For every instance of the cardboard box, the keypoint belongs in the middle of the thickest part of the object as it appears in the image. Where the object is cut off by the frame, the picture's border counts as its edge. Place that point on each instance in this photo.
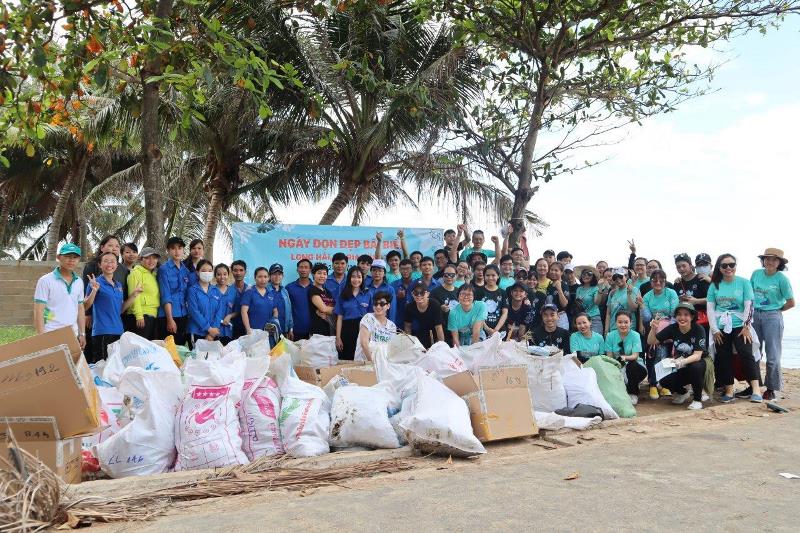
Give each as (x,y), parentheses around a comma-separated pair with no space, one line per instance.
(39,436)
(355,372)
(499,401)
(47,375)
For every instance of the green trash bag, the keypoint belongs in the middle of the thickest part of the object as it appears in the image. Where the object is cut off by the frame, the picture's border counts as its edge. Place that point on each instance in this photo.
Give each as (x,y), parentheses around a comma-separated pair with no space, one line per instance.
(612,384)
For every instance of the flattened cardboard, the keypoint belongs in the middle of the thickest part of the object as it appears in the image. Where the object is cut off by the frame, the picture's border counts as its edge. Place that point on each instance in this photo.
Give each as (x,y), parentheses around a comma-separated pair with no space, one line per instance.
(366,376)
(351,369)
(39,437)
(462,383)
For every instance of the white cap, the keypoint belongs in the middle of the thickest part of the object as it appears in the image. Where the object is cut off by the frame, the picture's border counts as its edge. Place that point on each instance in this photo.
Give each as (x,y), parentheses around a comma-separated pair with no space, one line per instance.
(378,263)
(569,267)
(622,271)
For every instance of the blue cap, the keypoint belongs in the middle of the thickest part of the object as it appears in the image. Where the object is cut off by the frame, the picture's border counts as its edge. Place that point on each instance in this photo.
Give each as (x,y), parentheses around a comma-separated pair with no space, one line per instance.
(69,248)
(275,268)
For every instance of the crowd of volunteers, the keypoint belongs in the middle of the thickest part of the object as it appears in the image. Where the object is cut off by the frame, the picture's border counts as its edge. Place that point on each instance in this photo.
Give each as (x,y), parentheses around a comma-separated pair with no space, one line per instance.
(460,295)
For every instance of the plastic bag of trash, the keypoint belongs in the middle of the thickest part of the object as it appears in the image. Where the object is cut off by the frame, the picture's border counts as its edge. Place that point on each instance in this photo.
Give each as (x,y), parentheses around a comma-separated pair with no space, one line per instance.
(612,384)
(318,352)
(147,444)
(207,431)
(483,353)
(545,381)
(360,417)
(259,411)
(305,418)
(256,344)
(553,421)
(290,348)
(404,348)
(581,387)
(133,350)
(438,421)
(442,360)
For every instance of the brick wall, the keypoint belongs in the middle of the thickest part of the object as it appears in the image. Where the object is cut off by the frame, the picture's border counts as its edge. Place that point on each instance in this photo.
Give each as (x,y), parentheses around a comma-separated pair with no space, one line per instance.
(17,284)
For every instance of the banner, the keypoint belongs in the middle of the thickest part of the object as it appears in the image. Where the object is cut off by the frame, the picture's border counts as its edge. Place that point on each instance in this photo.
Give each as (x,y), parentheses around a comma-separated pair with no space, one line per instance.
(265,244)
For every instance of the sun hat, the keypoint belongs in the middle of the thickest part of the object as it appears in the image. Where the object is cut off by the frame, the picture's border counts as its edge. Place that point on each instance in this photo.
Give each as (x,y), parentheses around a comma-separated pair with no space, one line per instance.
(774,252)
(69,249)
(579,270)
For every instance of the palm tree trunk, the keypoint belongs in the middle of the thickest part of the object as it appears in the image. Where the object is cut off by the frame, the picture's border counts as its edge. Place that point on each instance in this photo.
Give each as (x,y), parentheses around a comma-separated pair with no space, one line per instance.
(80,218)
(216,202)
(339,203)
(5,211)
(76,174)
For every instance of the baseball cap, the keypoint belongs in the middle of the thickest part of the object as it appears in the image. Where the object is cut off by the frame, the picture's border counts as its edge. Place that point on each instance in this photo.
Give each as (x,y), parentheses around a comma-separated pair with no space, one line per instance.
(703,258)
(276,267)
(147,251)
(569,267)
(418,283)
(69,248)
(517,286)
(173,241)
(549,307)
(683,257)
(378,263)
(620,271)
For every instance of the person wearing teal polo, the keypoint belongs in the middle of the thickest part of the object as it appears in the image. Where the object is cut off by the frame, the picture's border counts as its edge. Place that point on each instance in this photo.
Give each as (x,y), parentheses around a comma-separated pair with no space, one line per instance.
(58,299)
(625,344)
(586,342)
(772,297)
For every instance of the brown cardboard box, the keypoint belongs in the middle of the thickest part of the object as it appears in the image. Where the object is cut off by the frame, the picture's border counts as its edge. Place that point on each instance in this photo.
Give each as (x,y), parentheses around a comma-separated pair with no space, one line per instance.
(355,372)
(39,436)
(47,375)
(499,402)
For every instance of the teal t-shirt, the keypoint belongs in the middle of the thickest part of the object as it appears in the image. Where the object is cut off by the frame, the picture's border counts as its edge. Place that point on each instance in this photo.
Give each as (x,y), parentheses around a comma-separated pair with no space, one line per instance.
(416,274)
(637,283)
(632,343)
(594,345)
(663,304)
(467,251)
(618,301)
(770,292)
(462,321)
(505,282)
(730,296)
(586,296)
(457,283)
(391,277)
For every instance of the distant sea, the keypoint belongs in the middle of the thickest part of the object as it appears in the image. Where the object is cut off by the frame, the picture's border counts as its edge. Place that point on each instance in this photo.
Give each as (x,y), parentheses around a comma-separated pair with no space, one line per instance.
(791,352)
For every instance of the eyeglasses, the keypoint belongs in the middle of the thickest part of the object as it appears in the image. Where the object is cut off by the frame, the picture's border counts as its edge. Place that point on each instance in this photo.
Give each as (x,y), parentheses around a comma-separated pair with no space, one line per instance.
(728,265)
(380,304)
(658,280)
(448,275)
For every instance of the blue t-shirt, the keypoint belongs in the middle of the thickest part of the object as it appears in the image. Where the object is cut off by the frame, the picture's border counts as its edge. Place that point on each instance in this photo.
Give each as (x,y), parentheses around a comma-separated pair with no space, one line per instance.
(226,305)
(259,307)
(300,310)
(770,292)
(730,296)
(663,304)
(333,286)
(355,307)
(594,345)
(107,308)
(203,310)
(399,312)
(280,304)
(173,288)
(462,321)
(632,343)
(586,295)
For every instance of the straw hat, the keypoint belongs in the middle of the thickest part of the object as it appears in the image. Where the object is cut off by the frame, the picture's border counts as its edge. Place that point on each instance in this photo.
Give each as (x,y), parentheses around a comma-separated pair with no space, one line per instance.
(579,271)
(774,252)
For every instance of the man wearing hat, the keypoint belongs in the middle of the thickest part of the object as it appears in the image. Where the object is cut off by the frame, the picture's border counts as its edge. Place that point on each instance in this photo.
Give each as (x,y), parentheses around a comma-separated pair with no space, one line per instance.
(548,333)
(377,283)
(173,287)
(282,300)
(773,295)
(58,299)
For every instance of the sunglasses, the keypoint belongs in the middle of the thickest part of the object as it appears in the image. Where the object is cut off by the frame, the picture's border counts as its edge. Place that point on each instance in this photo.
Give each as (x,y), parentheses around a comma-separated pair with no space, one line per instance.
(448,275)
(418,294)
(728,265)
(381,304)
(682,257)
(586,274)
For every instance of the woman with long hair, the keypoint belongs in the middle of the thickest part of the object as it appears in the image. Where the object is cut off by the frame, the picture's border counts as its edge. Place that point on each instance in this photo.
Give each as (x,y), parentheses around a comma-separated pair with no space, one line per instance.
(590,297)
(351,306)
(196,253)
(108,244)
(625,344)
(730,301)
(495,300)
(375,327)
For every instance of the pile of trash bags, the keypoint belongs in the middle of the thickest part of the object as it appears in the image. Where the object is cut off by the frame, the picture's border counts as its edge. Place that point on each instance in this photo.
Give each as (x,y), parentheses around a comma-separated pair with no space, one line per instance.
(218,406)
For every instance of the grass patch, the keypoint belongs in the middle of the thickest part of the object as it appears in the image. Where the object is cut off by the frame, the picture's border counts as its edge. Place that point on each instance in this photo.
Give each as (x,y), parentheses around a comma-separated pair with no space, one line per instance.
(15,333)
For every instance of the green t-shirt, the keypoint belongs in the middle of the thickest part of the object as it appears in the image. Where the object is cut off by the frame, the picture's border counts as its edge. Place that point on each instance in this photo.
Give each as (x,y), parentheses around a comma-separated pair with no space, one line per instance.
(586,296)
(465,253)
(664,304)
(618,301)
(506,282)
(462,321)
(594,345)
(770,292)
(416,274)
(730,296)
(632,343)
(637,283)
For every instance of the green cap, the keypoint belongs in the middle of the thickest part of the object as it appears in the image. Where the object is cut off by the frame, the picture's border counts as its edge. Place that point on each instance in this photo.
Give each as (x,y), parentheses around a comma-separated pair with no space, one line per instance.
(686,305)
(69,248)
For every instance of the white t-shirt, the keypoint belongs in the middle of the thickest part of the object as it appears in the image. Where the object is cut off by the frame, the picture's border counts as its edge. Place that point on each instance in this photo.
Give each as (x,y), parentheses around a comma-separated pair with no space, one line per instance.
(377,333)
(60,299)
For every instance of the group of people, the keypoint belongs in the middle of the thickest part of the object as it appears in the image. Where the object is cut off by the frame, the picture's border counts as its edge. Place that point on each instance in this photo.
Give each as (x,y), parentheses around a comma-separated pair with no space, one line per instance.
(461,294)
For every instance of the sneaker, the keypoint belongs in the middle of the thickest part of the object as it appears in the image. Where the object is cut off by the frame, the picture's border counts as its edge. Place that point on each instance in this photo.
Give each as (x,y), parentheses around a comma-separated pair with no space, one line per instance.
(756,398)
(726,399)
(665,391)
(705,397)
(634,398)
(653,393)
(695,405)
(744,393)
(769,395)
(679,399)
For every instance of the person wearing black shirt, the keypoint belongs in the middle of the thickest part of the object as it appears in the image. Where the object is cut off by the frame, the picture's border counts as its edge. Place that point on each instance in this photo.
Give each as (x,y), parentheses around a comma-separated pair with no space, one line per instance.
(548,333)
(692,288)
(445,295)
(519,313)
(688,347)
(440,261)
(423,317)
(495,299)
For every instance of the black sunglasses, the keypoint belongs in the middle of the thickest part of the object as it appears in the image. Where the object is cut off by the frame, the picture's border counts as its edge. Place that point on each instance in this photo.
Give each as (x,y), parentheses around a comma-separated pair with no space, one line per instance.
(727,265)
(448,275)
(381,304)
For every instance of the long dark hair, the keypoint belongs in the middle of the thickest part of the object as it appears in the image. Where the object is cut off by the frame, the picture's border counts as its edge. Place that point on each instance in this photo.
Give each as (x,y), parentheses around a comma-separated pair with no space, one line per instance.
(347,290)
(716,275)
(103,242)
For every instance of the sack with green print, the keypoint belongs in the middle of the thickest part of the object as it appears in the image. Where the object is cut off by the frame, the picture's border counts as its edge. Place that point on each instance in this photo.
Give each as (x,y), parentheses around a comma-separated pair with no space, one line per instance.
(304,419)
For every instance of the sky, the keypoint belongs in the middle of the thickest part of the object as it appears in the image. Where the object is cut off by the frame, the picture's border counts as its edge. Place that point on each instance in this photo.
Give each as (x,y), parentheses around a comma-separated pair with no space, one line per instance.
(719,175)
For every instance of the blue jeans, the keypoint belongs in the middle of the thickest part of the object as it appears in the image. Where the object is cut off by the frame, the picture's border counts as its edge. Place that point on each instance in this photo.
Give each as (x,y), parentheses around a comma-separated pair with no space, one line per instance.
(769,328)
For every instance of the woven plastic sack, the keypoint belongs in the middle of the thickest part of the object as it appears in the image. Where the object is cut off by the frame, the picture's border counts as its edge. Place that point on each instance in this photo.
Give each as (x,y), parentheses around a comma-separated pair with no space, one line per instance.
(611,384)
(259,411)
(131,350)
(360,417)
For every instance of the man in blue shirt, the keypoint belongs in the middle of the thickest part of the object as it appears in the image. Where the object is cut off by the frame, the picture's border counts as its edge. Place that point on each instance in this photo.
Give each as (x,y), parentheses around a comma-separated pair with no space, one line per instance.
(238,271)
(173,285)
(378,284)
(402,289)
(282,300)
(298,295)
(335,282)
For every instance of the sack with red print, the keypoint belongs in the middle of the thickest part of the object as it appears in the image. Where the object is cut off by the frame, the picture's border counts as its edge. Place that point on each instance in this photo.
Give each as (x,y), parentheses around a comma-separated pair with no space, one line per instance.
(259,411)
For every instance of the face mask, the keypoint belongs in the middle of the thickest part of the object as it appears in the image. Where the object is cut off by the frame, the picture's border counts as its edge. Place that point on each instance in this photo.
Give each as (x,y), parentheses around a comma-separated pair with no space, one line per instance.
(205,277)
(703,270)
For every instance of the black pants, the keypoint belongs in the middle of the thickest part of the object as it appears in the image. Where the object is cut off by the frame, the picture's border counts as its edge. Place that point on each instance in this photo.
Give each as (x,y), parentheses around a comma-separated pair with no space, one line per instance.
(149,329)
(693,374)
(224,340)
(179,336)
(636,373)
(88,350)
(350,329)
(100,347)
(724,358)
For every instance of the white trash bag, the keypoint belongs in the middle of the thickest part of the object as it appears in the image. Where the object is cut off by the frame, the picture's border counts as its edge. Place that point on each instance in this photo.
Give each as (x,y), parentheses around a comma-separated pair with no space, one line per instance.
(207,431)
(581,386)
(318,352)
(304,419)
(256,344)
(442,360)
(131,350)
(545,381)
(360,417)
(438,421)
(553,421)
(404,348)
(147,444)
(483,353)
(259,411)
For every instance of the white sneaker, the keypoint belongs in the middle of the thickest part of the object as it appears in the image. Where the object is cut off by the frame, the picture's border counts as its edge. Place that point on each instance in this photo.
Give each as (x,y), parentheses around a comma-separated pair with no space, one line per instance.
(634,398)
(695,405)
(679,399)
(705,397)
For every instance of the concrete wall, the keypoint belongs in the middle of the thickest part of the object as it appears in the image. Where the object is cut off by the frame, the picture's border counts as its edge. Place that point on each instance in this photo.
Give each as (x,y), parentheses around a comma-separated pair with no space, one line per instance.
(17,284)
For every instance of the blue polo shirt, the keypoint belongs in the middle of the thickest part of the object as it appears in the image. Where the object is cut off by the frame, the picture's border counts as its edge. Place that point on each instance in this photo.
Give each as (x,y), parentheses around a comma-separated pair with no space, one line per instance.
(107,308)
(203,310)
(333,286)
(173,287)
(259,308)
(356,307)
(298,295)
(227,302)
(280,303)
(400,311)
